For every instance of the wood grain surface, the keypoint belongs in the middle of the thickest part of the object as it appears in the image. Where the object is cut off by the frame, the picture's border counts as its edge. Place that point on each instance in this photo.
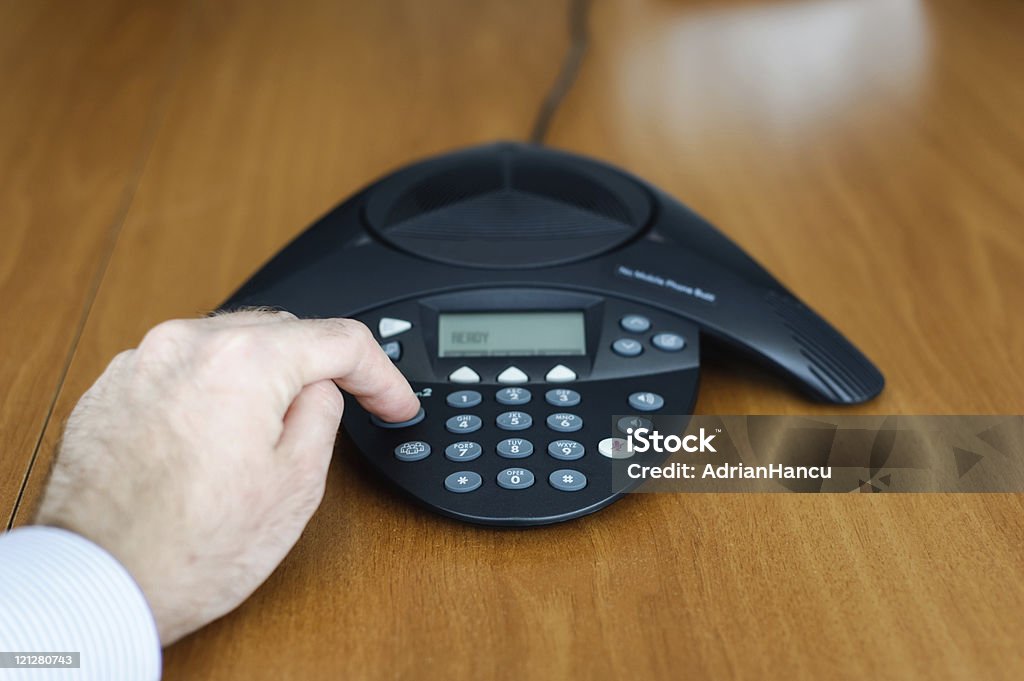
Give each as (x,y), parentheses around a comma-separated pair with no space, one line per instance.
(870,154)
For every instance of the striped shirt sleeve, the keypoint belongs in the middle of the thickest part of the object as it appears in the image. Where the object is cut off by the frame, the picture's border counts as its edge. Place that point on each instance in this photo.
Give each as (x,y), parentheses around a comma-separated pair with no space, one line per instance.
(60,592)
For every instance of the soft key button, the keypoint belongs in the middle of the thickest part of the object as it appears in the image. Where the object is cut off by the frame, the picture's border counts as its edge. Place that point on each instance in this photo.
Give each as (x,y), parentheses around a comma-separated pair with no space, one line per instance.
(389,326)
(512,375)
(464,375)
(560,374)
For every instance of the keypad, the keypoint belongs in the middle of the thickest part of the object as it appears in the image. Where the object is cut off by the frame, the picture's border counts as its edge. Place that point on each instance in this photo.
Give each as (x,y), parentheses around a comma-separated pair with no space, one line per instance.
(514,420)
(566,450)
(463,451)
(463,399)
(515,448)
(567,480)
(565,423)
(463,481)
(515,478)
(562,397)
(463,423)
(527,421)
(513,396)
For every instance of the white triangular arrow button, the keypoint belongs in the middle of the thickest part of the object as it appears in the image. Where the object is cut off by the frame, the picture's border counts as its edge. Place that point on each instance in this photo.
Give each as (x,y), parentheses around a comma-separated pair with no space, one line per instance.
(389,327)
(560,374)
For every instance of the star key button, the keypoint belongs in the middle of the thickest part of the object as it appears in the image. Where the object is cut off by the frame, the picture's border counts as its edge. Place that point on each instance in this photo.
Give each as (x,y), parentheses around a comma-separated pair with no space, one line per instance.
(461,482)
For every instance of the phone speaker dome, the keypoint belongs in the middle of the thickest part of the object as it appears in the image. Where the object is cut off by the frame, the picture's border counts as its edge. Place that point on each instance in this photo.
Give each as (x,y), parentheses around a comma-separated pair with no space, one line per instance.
(508,206)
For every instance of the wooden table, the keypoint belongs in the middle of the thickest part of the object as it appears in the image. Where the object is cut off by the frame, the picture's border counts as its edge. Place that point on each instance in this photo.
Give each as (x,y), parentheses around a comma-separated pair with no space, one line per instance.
(152,155)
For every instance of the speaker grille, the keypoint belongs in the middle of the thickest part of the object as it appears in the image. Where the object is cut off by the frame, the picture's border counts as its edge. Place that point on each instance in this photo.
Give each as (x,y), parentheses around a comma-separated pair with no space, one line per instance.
(507,207)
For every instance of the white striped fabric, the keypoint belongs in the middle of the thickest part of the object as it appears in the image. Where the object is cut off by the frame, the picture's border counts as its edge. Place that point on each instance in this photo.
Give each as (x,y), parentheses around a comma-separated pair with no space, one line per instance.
(60,592)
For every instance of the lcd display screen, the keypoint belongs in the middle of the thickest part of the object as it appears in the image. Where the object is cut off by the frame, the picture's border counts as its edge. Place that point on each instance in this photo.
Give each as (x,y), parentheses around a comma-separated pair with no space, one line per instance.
(509,334)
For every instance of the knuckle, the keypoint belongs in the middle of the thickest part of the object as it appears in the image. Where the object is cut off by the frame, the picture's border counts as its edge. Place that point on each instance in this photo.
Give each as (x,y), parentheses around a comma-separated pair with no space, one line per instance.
(356,331)
(167,337)
(232,347)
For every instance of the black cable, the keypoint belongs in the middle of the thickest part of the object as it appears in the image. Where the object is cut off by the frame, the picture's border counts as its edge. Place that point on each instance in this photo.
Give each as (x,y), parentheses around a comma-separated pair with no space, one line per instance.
(579,37)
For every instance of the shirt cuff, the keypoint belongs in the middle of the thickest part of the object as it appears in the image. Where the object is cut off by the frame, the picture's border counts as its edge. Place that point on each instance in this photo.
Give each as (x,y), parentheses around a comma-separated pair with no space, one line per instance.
(59,592)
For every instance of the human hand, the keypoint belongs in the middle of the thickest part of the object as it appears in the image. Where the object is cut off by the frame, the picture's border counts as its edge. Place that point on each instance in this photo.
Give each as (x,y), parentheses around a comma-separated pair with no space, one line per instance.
(198,458)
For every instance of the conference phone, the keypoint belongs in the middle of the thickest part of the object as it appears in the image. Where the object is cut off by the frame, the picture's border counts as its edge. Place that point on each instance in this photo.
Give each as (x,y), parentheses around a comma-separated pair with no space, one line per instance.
(529,296)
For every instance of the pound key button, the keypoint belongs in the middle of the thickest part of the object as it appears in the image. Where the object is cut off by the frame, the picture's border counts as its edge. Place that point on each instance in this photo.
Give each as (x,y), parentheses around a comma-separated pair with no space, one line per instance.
(400,424)
(463,423)
(412,451)
(567,480)
(463,481)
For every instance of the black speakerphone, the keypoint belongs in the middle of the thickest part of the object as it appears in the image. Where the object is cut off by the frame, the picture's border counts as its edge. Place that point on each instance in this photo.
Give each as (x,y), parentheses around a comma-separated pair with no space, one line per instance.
(529,295)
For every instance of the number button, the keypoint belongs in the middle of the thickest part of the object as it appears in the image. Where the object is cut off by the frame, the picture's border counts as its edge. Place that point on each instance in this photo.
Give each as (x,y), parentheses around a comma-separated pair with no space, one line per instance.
(463,399)
(463,481)
(463,451)
(412,451)
(513,396)
(567,480)
(515,478)
(514,420)
(463,423)
(515,448)
(562,397)
(565,423)
(627,347)
(565,450)
(646,401)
